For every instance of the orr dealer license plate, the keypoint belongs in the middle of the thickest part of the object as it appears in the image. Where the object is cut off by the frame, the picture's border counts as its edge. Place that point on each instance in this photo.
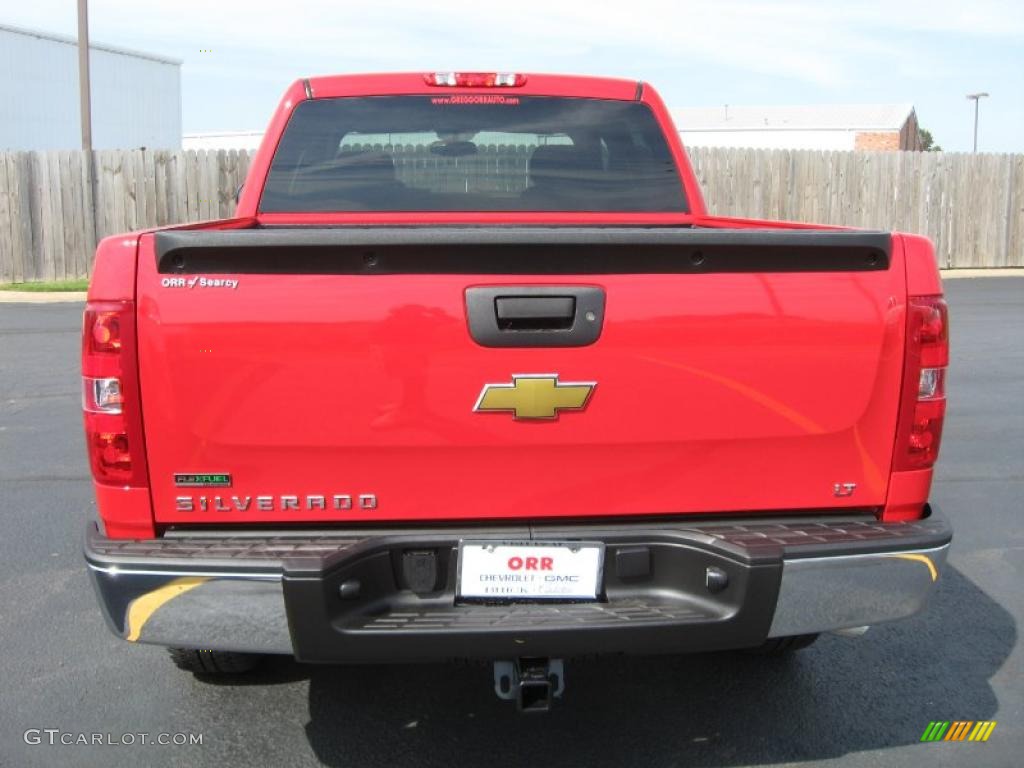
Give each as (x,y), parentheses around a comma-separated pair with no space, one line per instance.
(546,570)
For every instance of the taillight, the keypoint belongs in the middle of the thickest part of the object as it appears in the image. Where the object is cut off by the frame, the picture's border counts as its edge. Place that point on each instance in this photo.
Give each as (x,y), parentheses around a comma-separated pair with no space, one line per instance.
(104,331)
(110,395)
(923,407)
(475,79)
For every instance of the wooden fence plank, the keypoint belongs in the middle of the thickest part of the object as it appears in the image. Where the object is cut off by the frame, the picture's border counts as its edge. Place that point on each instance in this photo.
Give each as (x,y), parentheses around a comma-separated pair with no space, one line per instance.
(67,216)
(1013,246)
(59,264)
(176,187)
(161,164)
(39,201)
(210,186)
(148,185)
(131,170)
(89,209)
(192,194)
(8,213)
(22,235)
(74,241)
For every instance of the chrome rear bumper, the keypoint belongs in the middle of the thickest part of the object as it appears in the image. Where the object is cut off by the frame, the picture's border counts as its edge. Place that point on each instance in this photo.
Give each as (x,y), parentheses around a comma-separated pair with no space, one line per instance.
(819,594)
(213,611)
(281,594)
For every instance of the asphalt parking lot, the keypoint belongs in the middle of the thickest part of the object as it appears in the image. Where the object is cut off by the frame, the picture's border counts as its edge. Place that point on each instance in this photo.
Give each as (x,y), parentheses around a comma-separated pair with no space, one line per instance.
(862,702)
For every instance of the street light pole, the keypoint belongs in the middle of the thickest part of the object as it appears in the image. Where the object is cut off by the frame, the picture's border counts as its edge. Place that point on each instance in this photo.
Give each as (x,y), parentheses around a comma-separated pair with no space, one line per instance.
(976,97)
(84,98)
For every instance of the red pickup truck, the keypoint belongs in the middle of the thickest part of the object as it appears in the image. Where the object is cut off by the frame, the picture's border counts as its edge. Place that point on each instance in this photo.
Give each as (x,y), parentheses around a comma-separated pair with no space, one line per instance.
(472,373)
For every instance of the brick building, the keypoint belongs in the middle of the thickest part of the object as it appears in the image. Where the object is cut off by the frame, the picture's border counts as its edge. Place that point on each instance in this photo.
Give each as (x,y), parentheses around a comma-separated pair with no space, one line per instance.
(867,127)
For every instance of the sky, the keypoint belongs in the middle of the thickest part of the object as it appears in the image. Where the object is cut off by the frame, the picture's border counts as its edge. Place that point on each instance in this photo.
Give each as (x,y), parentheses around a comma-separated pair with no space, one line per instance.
(695,52)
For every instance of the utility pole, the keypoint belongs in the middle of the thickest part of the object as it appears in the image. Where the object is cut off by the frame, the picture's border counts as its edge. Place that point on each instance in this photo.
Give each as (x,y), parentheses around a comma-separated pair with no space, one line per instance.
(85,101)
(976,97)
(85,109)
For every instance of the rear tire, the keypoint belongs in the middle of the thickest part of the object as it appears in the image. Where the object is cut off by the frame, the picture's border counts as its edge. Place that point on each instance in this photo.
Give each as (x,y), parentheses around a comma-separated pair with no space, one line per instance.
(781,646)
(213,663)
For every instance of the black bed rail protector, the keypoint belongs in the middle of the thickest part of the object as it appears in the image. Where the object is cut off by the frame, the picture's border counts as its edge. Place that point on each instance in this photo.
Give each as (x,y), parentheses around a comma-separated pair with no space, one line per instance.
(517,250)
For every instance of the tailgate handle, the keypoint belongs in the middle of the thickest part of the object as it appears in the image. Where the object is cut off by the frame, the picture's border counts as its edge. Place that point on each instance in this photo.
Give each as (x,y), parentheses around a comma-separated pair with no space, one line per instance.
(535,315)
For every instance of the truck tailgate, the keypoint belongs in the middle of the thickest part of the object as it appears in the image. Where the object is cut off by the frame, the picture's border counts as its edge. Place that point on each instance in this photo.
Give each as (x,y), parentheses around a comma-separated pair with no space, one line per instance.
(331,375)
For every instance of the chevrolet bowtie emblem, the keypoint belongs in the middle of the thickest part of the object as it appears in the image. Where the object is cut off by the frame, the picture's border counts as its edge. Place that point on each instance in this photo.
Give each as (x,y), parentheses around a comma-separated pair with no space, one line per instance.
(535,396)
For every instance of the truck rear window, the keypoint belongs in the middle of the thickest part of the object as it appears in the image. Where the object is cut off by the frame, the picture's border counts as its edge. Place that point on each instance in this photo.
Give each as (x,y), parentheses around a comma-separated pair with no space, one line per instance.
(472,152)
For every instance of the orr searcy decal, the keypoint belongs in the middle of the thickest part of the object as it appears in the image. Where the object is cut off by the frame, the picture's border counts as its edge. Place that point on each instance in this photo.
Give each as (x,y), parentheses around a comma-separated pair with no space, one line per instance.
(199,282)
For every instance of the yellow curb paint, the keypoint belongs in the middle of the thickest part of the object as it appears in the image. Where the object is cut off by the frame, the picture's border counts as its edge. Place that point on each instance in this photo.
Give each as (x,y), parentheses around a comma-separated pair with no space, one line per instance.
(142,608)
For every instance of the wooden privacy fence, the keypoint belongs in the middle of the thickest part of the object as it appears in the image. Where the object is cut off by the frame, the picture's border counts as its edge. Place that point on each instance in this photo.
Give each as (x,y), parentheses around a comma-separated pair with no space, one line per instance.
(971,206)
(49,227)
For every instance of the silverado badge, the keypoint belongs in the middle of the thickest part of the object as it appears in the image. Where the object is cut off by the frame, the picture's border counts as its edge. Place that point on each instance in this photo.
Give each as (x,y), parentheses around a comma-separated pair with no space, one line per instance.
(535,396)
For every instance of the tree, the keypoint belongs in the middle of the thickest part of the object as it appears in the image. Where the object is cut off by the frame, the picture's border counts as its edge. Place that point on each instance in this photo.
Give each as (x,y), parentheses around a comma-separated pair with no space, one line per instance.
(927,142)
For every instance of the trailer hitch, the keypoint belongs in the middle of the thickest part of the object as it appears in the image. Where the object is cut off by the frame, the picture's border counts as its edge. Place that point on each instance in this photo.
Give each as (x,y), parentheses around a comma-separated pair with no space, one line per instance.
(532,683)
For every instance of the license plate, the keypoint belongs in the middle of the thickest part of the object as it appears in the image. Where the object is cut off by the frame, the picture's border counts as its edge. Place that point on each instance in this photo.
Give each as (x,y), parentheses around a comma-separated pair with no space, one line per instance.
(547,570)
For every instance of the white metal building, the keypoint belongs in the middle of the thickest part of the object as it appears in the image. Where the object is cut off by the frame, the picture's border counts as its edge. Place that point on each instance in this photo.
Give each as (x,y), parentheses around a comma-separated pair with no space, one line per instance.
(223,140)
(835,126)
(136,97)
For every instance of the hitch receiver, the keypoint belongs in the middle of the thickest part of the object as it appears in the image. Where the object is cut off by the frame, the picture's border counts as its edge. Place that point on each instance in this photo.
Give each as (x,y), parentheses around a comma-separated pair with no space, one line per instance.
(531,683)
